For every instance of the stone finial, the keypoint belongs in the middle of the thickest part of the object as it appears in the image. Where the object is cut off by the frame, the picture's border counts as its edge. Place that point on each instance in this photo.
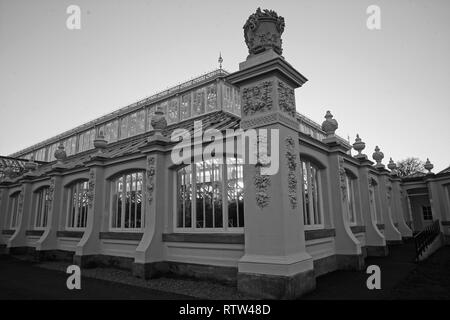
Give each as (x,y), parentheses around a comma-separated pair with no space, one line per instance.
(359,146)
(329,125)
(392,166)
(100,142)
(159,122)
(60,153)
(262,32)
(378,157)
(428,166)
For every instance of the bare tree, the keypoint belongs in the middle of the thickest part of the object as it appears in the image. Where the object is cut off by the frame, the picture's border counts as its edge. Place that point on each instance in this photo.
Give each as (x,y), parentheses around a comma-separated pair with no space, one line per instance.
(410,166)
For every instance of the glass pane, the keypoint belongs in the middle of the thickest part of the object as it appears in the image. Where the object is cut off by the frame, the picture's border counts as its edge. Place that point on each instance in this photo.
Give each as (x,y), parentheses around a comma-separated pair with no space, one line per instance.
(151,111)
(211,97)
(124,128)
(305,195)
(185,107)
(198,106)
(140,122)
(199,201)
(172,111)
(132,124)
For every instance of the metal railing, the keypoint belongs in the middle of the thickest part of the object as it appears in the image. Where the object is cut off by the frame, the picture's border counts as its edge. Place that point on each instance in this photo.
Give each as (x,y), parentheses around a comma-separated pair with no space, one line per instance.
(425,237)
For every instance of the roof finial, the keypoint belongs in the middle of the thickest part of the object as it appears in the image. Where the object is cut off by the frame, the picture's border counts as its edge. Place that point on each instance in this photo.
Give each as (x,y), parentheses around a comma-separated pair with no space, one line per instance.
(220,60)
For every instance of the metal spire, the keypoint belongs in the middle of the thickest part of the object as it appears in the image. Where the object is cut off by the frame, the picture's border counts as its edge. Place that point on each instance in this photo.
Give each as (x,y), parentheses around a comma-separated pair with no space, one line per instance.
(220,60)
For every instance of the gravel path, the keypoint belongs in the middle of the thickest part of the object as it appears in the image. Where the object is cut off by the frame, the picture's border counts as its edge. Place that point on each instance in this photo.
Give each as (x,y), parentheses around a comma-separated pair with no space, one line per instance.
(194,288)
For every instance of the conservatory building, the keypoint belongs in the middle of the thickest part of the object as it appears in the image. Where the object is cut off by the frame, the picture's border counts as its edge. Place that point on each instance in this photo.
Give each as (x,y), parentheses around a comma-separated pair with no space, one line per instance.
(108,193)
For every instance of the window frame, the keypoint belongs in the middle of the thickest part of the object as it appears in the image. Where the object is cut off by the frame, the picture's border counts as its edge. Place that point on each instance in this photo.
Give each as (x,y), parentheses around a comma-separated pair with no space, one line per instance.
(426,211)
(112,203)
(44,208)
(225,214)
(69,203)
(13,203)
(309,164)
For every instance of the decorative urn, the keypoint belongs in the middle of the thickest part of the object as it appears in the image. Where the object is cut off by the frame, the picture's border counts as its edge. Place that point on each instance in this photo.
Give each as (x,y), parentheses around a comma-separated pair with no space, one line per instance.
(60,153)
(262,32)
(359,146)
(330,125)
(392,166)
(100,142)
(428,166)
(378,156)
(159,121)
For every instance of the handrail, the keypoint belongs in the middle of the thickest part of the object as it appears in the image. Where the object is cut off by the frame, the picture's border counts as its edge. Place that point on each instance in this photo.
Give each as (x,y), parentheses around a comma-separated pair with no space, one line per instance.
(425,237)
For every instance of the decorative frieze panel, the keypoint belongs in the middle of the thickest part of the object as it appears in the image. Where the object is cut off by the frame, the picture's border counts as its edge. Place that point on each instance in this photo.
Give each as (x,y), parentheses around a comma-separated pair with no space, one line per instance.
(342,177)
(150,177)
(91,188)
(262,183)
(388,191)
(257,99)
(292,166)
(20,200)
(286,99)
(51,192)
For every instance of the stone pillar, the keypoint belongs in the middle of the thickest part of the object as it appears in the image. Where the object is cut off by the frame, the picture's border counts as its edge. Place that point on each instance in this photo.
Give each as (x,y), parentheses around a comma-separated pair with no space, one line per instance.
(49,238)
(275,264)
(149,255)
(397,208)
(375,241)
(348,249)
(17,242)
(3,214)
(391,233)
(433,194)
(89,245)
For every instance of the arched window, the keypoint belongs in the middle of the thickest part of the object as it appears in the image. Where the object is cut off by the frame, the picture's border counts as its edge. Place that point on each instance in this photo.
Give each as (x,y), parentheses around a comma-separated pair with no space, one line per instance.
(14,210)
(126,202)
(350,182)
(201,190)
(312,213)
(77,208)
(42,206)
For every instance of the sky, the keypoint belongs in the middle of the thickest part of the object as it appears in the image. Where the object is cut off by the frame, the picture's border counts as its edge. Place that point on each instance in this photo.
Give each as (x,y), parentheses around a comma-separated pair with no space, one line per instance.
(391,86)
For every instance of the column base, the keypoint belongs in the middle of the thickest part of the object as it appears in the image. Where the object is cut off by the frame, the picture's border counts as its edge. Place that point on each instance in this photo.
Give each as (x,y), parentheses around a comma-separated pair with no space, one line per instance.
(149,270)
(276,287)
(377,251)
(394,242)
(54,255)
(350,261)
(100,260)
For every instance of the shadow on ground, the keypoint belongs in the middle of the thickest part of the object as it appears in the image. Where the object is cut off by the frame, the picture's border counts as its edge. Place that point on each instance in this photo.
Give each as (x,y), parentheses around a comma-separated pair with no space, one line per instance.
(401,278)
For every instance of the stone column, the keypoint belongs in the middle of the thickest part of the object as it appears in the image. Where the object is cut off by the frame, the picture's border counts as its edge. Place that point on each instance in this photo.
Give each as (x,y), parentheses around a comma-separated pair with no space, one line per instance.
(3,214)
(275,263)
(49,238)
(375,241)
(89,245)
(397,209)
(348,248)
(149,255)
(391,233)
(17,243)
(433,194)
